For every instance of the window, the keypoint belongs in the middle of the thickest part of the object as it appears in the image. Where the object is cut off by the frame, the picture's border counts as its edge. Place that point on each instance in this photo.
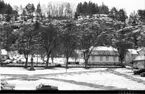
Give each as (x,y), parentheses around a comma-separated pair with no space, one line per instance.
(93,58)
(114,58)
(101,58)
(107,58)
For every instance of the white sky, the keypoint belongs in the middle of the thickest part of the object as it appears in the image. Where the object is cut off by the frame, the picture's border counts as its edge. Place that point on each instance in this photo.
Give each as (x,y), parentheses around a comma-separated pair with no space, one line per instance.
(128,5)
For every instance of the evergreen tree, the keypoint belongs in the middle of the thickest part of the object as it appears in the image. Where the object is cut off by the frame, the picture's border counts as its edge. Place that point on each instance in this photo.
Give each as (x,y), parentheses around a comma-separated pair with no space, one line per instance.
(122,15)
(85,8)
(141,13)
(91,8)
(133,19)
(97,8)
(39,11)
(30,8)
(104,9)
(113,13)
(5,8)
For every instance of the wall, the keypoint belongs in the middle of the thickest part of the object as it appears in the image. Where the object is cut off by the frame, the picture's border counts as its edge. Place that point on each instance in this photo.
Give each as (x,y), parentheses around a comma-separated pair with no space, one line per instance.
(142,52)
(97,60)
(129,58)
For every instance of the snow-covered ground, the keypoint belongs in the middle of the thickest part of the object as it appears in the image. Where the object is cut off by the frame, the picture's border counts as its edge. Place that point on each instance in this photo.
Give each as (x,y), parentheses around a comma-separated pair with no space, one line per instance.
(74,78)
(129,72)
(41,71)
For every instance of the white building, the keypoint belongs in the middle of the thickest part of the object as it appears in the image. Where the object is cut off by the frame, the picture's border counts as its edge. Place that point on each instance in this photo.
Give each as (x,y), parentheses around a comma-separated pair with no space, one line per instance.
(4,54)
(141,51)
(139,62)
(104,55)
(130,56)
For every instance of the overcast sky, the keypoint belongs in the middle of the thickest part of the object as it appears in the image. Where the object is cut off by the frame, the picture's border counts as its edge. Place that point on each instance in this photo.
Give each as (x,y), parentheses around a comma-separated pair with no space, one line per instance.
(128,5)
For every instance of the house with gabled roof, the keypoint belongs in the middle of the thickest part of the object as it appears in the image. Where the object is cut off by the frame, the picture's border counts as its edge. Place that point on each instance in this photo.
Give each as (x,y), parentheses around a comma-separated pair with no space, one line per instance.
(130,56)
(135,58)
(104,55)
(139,61)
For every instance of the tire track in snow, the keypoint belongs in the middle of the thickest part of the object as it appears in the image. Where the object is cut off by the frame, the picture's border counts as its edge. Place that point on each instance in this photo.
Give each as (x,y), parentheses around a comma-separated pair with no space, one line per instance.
(126,76)
(87,84)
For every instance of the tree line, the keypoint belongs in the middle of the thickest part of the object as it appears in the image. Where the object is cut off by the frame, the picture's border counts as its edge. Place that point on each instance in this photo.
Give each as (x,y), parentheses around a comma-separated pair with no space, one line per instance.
(6,10)
(89,8)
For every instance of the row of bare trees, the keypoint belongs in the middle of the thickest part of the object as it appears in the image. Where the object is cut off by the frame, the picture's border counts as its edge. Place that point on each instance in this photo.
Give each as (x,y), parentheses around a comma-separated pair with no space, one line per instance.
(63,37)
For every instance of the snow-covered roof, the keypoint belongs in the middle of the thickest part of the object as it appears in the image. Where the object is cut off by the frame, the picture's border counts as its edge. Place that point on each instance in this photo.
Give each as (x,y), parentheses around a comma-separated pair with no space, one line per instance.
(3,52)
(104,48)
(132,51)
(138,58)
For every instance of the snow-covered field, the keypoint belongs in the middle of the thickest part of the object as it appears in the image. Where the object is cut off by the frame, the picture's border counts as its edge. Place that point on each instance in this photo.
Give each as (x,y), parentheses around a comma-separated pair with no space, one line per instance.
(74,78)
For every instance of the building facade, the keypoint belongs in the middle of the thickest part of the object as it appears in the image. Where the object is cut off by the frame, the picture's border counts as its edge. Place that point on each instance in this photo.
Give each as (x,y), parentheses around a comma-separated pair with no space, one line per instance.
(130,56)
(141,51)
(104,55)
(139,62)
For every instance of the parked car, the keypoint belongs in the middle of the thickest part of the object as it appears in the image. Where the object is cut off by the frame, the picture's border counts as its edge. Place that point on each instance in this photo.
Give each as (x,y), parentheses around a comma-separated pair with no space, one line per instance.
(6,86)
(58,65)
(15,61)
(46,87)
(139,71)
(73,63)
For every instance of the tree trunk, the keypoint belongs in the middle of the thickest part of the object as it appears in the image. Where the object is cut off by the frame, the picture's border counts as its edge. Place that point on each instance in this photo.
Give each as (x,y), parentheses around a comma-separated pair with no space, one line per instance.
(121,62)
(26,63)
(32,67)
(75,59)
(86,62)
(48,55)
(52,59)
(37,59)
(86,57)
(32,17)
(67,62)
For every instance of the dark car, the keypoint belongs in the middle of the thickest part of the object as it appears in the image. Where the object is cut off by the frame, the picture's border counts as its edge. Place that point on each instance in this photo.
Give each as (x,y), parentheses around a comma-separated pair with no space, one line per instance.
(142,74)
(46,87)
(139,71)
(73,63)
(58,65)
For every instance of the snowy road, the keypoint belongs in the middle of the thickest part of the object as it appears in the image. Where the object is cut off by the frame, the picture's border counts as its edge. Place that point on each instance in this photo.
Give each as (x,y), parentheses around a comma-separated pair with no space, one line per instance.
(74,78)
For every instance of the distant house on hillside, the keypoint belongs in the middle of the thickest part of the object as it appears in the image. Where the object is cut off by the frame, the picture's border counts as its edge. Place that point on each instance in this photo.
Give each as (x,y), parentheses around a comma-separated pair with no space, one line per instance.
(104,55)
(4,54)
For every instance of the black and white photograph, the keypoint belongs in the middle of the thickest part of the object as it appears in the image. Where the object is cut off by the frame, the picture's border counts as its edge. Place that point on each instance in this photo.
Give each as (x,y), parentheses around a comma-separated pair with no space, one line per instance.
(72,45)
